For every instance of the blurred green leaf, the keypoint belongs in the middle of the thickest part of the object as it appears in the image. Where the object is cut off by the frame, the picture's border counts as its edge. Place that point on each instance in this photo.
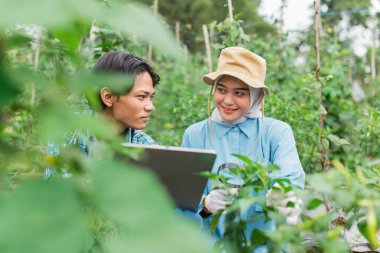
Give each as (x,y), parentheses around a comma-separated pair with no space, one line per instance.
(340,167)
(44,217)
(68,20)
(133,197)
(336,140)
(8,87)
(258,237)
(72,35)
(118,191)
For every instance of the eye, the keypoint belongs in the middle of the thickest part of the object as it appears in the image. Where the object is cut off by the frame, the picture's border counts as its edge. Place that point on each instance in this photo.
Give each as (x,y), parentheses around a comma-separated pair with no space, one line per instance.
(141,97)
(240,93)
(221,90)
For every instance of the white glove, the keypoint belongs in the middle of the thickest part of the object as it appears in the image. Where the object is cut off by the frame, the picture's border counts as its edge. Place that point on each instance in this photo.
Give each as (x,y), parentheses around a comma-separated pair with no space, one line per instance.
(279,199)
(219,199)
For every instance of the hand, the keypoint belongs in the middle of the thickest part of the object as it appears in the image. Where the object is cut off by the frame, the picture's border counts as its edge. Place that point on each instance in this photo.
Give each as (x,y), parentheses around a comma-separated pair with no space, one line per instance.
(280,200)
(219,199)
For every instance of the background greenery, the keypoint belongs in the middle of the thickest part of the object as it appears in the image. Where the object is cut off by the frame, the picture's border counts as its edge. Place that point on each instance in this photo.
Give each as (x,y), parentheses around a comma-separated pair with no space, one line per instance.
(46,51)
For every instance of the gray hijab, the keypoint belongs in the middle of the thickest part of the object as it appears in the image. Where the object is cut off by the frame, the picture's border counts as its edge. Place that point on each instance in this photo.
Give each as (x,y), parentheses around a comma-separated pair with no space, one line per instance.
(256,95)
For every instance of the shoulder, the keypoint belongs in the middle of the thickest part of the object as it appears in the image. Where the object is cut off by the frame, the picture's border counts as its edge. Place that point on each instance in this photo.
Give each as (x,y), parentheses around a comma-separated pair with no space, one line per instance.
(277,130)
(276,125)
(197,128)
(139,137)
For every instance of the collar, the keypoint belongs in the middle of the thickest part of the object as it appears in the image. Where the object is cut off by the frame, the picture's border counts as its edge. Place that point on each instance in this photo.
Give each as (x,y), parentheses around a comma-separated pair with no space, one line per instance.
(247,127)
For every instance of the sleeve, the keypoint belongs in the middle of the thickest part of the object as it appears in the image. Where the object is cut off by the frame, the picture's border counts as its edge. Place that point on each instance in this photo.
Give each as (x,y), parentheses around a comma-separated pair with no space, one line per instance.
(186,140)
(284,154)
(51,158)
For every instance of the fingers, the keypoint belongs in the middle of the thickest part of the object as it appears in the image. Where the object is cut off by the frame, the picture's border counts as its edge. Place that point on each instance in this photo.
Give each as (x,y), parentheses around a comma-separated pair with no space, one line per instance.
(287,204)
(219,199)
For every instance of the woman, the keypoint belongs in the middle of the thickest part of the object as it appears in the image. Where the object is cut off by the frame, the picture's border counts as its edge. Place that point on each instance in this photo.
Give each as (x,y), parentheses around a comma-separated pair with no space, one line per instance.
(238,126)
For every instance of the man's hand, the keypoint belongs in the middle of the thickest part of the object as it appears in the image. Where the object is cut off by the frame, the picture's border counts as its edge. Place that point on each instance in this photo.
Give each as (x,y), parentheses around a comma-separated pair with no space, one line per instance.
(279,199)
(218,199)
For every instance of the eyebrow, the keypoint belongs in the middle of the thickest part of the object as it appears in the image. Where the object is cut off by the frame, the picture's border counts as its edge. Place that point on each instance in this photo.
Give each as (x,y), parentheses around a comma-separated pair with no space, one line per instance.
(220,84)
(146,92)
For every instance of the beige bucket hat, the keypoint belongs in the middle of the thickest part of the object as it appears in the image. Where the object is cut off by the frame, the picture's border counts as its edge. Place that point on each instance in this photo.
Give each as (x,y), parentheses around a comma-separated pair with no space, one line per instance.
(242,64)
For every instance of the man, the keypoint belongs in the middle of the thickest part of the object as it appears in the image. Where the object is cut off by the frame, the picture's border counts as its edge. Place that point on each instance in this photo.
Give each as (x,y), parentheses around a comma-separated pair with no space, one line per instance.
(130,110)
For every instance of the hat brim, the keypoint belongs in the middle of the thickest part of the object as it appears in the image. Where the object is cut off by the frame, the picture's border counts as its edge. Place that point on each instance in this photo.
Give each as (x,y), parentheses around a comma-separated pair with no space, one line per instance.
(211,77)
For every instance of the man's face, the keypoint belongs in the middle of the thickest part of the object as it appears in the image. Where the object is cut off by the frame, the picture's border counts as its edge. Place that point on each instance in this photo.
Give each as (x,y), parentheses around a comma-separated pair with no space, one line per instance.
(133,109)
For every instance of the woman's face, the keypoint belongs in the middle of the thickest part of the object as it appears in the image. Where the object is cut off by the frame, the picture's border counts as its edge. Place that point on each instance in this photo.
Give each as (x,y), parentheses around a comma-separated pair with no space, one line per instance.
(231,98)
(133,110)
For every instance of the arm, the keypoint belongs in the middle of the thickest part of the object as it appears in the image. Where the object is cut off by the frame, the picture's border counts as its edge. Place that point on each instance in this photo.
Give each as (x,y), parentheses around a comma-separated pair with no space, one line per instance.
(284,154)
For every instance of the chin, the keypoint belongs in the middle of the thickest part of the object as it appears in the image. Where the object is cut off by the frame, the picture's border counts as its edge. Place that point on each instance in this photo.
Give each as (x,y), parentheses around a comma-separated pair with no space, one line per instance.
(139,127)
(229,117)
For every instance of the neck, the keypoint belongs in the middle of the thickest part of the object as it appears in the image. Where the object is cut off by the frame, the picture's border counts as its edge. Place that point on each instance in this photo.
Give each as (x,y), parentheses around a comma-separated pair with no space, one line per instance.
(121,128)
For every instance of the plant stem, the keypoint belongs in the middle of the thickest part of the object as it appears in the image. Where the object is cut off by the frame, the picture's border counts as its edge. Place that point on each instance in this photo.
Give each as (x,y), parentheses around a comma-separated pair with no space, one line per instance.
(317,75)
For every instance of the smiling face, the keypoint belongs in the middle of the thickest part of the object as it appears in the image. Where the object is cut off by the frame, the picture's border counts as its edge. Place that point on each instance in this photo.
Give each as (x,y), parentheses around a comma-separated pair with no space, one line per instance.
(133,109)
(231,98)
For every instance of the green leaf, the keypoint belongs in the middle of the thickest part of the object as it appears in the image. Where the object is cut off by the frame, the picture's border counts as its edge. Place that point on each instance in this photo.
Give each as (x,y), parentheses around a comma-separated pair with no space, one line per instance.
(8,88)
(234,34)
(258,237)
(72,35)
(140,21)
(42,216)
(64,16)
(322,110)
(215,220)
(314,203)
(18,39)
(208,175)
(338,141)
(244,159)
(372,228)
(340,167)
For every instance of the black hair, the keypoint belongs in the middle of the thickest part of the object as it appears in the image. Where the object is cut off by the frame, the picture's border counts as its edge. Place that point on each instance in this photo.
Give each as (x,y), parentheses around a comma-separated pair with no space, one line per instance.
(125,63)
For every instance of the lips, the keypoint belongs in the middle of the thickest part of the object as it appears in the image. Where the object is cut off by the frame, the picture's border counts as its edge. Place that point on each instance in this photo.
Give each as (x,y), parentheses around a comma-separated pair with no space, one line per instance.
(228,110)
(145,117)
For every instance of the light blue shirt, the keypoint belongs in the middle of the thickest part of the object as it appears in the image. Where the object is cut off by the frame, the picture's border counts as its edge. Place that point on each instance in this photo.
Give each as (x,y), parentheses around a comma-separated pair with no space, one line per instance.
(275,145)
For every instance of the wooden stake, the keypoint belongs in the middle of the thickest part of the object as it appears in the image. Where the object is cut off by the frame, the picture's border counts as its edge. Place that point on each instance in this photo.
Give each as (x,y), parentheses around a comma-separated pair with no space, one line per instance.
(208,50)
(373,54)
(186,53)
(150,48)
(212,34)
(322,115)
(230,10)
(282,15)
(35,67)
(177,30)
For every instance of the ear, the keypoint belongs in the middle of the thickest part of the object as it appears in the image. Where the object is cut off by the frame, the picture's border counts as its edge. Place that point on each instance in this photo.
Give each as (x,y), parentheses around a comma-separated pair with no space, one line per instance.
(106,96)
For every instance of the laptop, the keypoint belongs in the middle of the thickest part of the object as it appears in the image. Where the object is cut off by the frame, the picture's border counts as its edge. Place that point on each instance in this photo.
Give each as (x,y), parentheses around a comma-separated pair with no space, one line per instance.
(177,168)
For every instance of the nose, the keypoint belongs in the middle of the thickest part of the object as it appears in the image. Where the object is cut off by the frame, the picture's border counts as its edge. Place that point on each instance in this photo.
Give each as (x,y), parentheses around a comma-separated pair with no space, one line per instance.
(149,106)
(228,99)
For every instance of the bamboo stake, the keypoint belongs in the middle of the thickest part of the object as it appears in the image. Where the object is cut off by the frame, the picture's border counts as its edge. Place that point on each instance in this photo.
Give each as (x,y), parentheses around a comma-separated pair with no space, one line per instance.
(150,48)
(186,53)
(230,10)
(317,75)
(208,50)
(373,54)
(177,31)
(35,68)
(282,15)
(212,34)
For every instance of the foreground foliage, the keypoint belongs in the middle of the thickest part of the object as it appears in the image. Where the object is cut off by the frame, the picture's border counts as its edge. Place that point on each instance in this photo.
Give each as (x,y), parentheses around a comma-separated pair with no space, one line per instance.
(109,207)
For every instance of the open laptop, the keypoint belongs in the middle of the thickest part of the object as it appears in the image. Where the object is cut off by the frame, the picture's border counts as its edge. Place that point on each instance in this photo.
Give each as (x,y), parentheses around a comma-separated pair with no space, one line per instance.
(177,170)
